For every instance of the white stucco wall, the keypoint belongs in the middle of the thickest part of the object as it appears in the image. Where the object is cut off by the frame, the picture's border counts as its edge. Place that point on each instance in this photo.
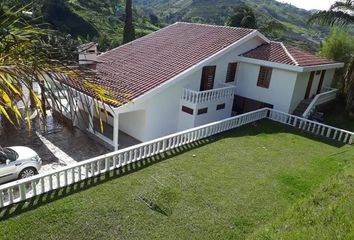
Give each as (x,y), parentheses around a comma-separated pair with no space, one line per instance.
(133,123)
(187,120)
(300,90)
(280,90)
(329,78)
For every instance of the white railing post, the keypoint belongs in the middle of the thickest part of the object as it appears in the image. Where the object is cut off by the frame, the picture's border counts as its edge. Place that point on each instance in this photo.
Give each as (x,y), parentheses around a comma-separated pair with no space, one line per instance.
(208,95)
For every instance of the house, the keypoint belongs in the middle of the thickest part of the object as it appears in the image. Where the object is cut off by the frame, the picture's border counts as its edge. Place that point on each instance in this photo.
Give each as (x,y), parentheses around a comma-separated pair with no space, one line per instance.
(186,75)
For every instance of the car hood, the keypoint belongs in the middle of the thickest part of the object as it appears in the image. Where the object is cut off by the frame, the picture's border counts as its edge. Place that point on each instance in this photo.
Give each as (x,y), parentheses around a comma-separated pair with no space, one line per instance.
(24,153)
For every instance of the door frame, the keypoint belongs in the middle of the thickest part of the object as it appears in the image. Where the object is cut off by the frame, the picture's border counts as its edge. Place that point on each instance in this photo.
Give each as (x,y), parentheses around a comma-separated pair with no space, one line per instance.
(309,85)
(205,80)
(320,84)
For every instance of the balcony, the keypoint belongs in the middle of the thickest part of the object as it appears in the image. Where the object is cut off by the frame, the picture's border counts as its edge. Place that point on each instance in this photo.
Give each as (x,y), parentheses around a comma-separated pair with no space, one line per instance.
(197,97)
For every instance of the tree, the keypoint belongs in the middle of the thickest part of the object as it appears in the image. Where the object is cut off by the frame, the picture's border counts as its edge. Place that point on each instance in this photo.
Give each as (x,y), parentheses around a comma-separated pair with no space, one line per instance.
(243,17)
(129,32)
(29,54)
(154,19)
(341,13)
(339,46)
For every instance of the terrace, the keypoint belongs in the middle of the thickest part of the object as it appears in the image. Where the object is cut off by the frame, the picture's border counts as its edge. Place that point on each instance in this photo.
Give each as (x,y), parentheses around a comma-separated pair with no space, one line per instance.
(190,192)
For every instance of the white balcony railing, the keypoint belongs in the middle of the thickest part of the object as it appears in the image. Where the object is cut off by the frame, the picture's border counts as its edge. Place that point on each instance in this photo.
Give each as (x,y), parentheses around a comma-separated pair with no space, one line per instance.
(209,95)
(326,95)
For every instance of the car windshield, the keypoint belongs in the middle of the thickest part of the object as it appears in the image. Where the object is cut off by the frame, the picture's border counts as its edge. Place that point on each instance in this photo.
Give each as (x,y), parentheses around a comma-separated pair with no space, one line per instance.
(11,154)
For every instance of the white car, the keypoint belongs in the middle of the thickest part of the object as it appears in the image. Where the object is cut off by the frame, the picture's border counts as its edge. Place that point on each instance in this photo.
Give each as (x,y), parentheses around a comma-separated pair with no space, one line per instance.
(17,163)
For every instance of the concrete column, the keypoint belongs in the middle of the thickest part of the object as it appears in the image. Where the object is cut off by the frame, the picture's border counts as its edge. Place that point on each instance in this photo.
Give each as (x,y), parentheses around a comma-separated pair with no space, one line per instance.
(116,131)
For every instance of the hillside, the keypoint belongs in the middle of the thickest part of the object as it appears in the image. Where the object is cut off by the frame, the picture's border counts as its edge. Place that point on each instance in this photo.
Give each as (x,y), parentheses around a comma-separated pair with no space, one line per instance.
(89,20)
(102,15)
(298,33)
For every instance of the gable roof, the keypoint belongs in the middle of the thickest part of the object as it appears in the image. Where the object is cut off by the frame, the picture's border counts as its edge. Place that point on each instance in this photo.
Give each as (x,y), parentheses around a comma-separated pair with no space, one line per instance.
(279,53)
(142,65)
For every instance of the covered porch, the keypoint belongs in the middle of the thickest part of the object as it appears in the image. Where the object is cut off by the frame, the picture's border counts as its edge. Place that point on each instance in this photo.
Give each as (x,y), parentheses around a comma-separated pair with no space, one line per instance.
(81,110)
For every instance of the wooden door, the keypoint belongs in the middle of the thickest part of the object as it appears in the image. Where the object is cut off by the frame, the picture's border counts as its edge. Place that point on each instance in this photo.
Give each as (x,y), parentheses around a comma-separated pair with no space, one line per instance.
(208,76)
(321,82)
(309,85)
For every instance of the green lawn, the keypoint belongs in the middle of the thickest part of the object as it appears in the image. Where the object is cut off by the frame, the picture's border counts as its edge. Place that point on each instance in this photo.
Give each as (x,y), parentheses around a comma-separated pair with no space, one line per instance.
(246,183)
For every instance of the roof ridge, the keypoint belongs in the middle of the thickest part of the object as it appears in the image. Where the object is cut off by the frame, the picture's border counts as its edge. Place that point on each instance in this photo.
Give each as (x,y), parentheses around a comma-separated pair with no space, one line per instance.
(215,26)
(288,53)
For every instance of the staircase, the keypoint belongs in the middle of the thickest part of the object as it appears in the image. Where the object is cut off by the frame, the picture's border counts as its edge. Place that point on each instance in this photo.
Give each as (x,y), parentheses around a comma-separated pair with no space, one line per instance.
(301,108)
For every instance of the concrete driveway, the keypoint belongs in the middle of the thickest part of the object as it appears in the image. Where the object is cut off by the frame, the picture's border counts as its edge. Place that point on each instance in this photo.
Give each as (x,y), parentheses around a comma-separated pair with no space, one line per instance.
(58,146)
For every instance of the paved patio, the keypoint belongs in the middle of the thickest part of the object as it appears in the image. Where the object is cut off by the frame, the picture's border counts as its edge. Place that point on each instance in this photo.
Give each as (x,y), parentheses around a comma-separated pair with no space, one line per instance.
(60,144)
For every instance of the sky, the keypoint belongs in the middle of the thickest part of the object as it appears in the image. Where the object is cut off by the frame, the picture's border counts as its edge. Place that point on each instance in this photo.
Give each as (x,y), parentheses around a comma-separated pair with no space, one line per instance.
(310,4)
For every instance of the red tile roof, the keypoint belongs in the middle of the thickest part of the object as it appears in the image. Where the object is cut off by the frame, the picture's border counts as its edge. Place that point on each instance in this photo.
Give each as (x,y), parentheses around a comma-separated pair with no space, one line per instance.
(140,66)
(279,53)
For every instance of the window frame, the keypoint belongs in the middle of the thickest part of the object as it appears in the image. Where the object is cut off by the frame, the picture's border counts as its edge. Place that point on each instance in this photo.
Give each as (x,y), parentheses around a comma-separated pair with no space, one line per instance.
(202,111)
(187,110)
(264,76)
(231,72)
(220,106)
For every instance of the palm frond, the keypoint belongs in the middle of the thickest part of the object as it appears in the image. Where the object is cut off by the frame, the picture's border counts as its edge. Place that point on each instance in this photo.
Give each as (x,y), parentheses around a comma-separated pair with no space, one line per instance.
(332,18)
(347,5)
(28,55)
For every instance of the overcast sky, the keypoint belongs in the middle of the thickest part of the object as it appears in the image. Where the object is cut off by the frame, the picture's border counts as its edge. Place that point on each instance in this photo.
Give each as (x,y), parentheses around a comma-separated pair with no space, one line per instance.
(310,4)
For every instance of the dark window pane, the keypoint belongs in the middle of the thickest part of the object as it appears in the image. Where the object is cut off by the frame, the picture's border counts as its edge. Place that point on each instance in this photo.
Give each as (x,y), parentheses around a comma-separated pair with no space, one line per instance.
(202,111)
(220,106)
(187,110)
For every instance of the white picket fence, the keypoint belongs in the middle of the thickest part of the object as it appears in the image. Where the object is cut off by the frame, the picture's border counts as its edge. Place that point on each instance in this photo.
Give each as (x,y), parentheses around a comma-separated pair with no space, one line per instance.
(313,127)
(24,189)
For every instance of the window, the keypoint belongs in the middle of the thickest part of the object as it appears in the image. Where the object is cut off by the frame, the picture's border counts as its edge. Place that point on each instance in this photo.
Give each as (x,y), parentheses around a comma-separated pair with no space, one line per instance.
(202,111)
(220,106)
(265,74)
(187,110)
(231,72)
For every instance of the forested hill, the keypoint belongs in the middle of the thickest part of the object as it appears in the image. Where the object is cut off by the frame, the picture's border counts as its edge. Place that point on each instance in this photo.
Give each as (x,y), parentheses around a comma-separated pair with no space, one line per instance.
(91,20)
(107,17)
(297,32)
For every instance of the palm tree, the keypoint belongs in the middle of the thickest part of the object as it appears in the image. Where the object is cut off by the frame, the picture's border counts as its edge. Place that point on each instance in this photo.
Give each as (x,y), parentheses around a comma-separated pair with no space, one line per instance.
(340,13)
(28,55)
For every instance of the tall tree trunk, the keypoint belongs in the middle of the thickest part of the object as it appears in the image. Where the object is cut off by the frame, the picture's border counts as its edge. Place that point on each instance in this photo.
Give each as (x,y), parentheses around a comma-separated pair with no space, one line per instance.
(349,82)
(129,32)
(43,98)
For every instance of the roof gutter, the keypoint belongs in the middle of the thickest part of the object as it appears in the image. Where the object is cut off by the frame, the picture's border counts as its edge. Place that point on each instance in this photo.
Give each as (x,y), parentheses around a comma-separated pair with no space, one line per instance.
(322,67)
(288,66)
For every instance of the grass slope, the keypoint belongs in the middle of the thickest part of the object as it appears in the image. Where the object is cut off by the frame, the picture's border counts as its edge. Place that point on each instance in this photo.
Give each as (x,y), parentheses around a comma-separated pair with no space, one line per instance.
(227,187)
